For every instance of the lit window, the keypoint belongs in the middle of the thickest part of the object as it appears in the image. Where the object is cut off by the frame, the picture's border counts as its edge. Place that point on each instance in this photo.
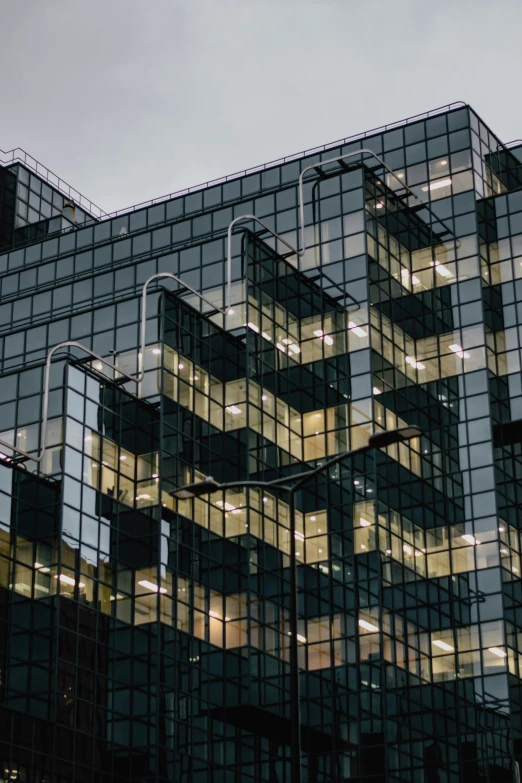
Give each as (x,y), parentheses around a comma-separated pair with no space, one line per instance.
(440,183)
(356,329)
(443,645)
(459,351)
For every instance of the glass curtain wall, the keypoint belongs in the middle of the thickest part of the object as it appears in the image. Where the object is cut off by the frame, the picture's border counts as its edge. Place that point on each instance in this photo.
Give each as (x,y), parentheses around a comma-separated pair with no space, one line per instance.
(147,638)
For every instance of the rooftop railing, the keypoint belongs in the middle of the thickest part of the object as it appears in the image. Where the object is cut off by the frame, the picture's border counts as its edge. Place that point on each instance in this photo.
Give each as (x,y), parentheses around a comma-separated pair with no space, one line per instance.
(290,158)
(19,155)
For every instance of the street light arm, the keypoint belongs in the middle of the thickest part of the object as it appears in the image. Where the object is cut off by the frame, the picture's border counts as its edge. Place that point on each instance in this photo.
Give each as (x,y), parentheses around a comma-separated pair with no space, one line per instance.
(281,483)
(277,483)
(212,488)
(378,440)
(209,486)
(303,477)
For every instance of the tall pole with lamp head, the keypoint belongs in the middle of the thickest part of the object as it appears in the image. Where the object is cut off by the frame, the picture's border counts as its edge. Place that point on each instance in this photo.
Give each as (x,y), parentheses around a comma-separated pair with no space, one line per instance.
(209,485)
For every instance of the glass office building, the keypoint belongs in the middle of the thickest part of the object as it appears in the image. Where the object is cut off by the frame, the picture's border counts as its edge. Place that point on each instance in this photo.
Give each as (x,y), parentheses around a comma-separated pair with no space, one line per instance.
(146,638)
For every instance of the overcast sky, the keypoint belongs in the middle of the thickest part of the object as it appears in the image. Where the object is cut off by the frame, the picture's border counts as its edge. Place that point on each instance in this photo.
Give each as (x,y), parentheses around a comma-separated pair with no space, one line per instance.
(131,99)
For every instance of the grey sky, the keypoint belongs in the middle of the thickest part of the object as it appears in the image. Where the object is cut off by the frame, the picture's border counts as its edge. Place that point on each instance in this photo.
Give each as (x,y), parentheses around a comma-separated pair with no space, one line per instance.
(131,99)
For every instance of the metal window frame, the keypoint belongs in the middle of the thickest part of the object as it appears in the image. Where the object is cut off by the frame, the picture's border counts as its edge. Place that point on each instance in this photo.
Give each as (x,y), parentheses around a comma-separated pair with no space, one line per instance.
(314,166)
(47,383)
(138,378)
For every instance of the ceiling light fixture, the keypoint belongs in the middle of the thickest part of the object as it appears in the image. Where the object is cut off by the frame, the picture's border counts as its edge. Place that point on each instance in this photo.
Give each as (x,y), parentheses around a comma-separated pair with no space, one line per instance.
(405,274)
(437,185)
(299,637)
(228,506)
(368,626)
(68,580)
(152,587)
(443,645)
(212,613)
(461,353)
(414,363)
(440,268)
(356,329)
(322,336)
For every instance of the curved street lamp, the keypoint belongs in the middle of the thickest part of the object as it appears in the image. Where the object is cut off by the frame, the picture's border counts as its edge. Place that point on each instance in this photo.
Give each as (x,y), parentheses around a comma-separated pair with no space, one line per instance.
(209,485)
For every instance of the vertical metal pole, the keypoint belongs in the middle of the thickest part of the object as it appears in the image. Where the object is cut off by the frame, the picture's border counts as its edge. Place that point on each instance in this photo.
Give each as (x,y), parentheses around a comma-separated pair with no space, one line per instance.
(295,704)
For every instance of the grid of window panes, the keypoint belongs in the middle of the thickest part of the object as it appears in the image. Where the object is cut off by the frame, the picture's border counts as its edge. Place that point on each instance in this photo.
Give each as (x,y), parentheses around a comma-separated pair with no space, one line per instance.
(148,637)
(7,206)
(36,200)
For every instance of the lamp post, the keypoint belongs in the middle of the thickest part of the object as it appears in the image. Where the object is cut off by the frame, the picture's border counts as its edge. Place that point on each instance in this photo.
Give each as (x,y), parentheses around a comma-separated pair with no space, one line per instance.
(209,485)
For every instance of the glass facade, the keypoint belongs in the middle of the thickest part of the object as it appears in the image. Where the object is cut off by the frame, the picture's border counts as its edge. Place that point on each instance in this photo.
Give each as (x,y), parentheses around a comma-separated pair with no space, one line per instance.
(145,638)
